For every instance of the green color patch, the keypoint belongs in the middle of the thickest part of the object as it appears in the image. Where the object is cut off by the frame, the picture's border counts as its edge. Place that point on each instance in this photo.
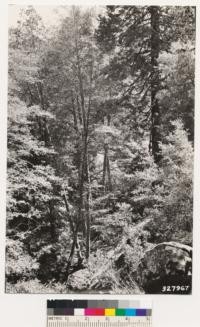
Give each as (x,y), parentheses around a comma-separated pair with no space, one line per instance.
(120,312)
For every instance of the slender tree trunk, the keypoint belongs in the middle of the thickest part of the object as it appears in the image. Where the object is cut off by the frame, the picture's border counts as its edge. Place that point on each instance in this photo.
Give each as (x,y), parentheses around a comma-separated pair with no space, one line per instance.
(105,166)
(79,111)
(89,195)
(68,213)
(69,262)
(73,229)
(46,133)
(44,129)
(74,112)
(52,222)
(109,174)
(107,184)
(155,85)
(106,163)
(81,189)
(84,200)
(87,207)
(81,216)
(31,98)
(40,95)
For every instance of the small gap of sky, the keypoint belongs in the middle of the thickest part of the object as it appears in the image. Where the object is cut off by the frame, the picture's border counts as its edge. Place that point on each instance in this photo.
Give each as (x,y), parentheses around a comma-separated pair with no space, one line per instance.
(50,14)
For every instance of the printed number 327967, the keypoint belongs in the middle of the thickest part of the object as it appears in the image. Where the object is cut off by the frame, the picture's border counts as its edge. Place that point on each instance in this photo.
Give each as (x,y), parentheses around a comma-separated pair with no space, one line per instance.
(175,288)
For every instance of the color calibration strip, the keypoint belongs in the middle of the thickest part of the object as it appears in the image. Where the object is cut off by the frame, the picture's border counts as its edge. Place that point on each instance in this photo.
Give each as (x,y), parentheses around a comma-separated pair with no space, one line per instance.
(98,308)
(96,313)
(108,312)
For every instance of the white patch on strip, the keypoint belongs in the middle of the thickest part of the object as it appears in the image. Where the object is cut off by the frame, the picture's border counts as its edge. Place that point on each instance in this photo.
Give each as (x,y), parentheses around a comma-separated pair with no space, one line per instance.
(79,312)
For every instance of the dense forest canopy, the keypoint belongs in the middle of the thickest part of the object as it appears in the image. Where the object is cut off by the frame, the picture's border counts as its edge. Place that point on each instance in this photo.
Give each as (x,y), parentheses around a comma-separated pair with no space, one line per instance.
(100,145)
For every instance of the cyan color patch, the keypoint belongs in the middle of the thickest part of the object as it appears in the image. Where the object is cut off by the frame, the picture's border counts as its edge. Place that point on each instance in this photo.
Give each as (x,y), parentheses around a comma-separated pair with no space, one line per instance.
(130,312)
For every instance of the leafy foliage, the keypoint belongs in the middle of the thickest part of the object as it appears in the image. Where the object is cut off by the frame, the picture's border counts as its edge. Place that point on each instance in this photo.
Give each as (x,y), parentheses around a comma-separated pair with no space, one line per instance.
(175,189)
(86,195)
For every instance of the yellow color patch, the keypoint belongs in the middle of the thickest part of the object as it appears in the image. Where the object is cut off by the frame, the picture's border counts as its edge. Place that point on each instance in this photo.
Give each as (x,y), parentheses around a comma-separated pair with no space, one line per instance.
(109,312)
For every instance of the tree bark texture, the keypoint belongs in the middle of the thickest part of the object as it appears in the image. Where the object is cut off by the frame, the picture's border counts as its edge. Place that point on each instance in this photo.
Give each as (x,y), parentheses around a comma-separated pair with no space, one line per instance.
(155,136)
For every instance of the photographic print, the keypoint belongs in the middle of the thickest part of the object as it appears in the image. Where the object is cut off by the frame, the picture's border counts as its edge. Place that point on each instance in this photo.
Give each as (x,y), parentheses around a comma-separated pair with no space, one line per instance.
(100,149)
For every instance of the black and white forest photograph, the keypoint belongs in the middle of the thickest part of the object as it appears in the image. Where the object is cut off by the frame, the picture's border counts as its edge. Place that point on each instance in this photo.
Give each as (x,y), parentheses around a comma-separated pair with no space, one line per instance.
(100,138)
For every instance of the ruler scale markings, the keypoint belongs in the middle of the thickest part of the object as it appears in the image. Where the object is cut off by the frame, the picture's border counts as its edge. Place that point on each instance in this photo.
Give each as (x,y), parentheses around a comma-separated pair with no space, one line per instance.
(104,323)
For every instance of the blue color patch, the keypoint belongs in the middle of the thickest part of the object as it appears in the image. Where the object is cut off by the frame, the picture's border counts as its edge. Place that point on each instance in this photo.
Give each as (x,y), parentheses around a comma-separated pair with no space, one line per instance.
(141,312)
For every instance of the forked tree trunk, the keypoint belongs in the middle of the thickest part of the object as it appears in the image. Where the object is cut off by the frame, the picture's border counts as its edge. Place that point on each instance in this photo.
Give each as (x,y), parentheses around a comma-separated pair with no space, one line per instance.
(83,115)
(69,262)
(73,228)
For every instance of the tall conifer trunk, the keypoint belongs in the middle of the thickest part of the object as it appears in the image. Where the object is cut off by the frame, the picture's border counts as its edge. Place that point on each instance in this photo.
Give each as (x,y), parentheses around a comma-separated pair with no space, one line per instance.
(155,84)
(106,164)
